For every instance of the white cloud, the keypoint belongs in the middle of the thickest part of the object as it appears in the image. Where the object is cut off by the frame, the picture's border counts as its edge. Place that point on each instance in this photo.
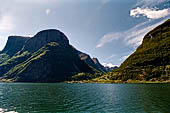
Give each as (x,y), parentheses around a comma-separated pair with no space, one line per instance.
(133,36)
(126,56)
(110,65)
(108,38)
(104,64)
(6,23)
(113,55)
(48,11)
(150,13)
(110,57)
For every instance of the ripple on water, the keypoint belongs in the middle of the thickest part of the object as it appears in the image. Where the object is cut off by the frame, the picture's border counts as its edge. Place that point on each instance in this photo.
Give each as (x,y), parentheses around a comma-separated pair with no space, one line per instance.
(6,111)
(76,98)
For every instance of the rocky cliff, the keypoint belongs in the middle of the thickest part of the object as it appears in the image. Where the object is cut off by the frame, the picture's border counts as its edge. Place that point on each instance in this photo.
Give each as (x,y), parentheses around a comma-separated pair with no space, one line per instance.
(91,61)
(46,57)
(98,65)
(44,37)
(14,44)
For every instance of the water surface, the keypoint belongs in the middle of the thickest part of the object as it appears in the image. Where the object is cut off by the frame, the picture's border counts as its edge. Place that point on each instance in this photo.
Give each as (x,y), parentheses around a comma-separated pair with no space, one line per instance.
(85,98)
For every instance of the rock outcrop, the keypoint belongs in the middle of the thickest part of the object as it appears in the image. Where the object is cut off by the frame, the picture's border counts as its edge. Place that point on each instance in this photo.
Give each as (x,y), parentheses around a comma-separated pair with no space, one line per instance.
(46,57)
(14,44)
(98,65)
(44,37)
(91,61)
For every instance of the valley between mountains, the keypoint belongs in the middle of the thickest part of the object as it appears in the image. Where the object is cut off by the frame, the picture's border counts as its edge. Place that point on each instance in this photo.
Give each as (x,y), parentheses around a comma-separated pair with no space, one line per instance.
(49,57)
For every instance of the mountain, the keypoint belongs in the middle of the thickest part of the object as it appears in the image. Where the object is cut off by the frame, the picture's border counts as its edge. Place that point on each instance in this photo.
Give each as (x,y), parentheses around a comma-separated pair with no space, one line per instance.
(14,44)
(91,61)
(98,65)
(110,68)
(44,37)
(150,61)
(45,57)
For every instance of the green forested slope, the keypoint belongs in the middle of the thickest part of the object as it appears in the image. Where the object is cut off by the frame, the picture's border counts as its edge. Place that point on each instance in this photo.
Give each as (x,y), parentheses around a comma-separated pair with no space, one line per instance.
(151,60)
(51,63)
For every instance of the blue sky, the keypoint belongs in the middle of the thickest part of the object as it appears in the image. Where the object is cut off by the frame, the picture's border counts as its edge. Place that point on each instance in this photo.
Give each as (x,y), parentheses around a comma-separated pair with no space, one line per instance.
(107,29)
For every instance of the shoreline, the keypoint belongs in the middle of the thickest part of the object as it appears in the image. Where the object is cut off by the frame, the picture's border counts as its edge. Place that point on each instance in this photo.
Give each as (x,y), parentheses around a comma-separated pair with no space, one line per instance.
(119,82)
(98,82)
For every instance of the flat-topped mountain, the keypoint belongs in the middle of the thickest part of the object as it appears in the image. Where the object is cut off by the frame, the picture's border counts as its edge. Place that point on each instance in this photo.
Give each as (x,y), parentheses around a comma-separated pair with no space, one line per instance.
(45,57)
(14,44)
(44,37)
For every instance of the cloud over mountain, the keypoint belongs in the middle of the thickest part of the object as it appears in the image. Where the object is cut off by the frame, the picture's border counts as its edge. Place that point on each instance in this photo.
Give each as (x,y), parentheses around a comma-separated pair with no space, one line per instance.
(133,36)
(150,13)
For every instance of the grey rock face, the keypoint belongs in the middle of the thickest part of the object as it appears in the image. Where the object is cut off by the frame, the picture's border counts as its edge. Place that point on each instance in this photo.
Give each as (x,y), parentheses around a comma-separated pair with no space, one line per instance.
(44,37)
(98,65)
(91,61)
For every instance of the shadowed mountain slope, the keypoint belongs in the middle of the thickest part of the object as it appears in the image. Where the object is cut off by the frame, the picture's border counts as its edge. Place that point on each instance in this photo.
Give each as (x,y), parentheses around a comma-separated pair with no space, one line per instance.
(46,57)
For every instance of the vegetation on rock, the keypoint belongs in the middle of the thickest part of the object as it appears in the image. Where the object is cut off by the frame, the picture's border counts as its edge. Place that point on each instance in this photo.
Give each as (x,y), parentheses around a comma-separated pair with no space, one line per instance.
(151,60)
(46,57)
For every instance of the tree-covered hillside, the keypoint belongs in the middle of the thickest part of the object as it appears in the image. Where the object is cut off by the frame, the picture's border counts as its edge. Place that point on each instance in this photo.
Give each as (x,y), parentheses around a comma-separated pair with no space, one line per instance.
(151,60)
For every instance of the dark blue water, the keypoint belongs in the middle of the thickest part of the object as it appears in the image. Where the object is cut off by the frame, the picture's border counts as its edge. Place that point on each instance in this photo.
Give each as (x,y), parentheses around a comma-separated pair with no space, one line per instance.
(84,98)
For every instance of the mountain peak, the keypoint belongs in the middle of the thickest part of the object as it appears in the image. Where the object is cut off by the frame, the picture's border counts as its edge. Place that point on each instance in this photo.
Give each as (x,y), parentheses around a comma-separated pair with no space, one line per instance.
(95,60)
(14,44)
(44,37)
(53,34)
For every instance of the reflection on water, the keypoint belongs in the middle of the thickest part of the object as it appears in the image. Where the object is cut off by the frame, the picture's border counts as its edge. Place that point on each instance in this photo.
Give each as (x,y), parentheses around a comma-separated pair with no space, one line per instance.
(91,98)
(6,111)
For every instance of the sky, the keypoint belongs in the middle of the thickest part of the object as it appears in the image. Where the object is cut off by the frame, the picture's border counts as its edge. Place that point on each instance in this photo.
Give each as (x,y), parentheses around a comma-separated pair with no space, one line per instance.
(110,30)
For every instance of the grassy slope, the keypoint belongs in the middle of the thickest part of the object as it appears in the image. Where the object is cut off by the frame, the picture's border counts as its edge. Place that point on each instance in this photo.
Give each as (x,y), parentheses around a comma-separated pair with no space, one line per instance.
(150,62)
(51,63)
(3,57)
(9,63)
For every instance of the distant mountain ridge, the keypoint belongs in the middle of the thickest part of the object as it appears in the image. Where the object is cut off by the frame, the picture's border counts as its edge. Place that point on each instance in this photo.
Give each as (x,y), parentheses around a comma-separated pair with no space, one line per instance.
(45,57)
(108,69)
(94,62)
(99,66)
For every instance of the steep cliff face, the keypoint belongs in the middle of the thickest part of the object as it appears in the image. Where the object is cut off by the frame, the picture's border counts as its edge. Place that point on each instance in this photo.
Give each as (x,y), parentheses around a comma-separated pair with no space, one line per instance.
(44,37)
(14,44)
(52,63)
(151,60)
(98,65)
(46,57)
(91,61)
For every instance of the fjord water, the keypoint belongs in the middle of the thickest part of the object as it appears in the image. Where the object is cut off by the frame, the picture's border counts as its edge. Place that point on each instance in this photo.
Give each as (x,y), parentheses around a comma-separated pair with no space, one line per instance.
(90,98)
